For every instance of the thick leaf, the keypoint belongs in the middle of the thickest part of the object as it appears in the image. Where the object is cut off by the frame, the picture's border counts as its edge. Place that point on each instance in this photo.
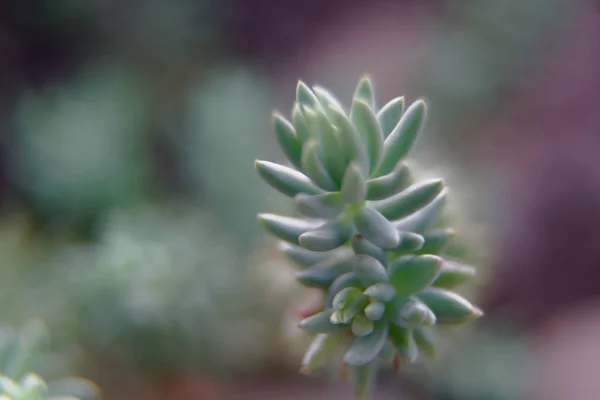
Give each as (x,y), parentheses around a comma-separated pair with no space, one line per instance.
(448,307)
(375,311)
(284,179)
(410,200)
(286,228)
(366,348)
(369,270)
(437,240)
(329,236)
(314,168)
(300,124)
(363,378)
(288,139)
(383,292)
(347,280)
(453,275)
(366,124)
(320,352)
(327,99)
(425,341)
(360,245)
(352,145)
(388,352)
(390,115)
(32,386)
(415,314)
(364,91)
(324,273)
(344,296)
(376,228)
(306,258)
(320,323)
(411,274)
(399,143)
(9,387)
(326,205)
(426,218)
(329,143)
(403,341)
(389,185)
(30,341)
(305,96)
(354,184)
(361,326)
(354,307)
(409,243)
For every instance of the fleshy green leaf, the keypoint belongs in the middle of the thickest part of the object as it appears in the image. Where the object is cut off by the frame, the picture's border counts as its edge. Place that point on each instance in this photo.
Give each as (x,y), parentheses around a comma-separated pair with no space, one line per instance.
(326,205)
(347,280)
(411,274)
(344,296)
(453,274)
(352,145)
(360,245)
(300,124)
(410,200)
(305,96)
(426,218)
(389,185)
(329,236)
(383,292)
(415,314)
(354,184)
(355,306)
(306,258)
(327,99)
(320,352)
(324,273)
(409,243)
(375,311)
(361,326)
(284,179)
(314,168)
(324,132)
(388,352)
(286,228)
(369,270)
(390,115)
(320,323)
(376,228)
(363,378)
(437,240)
(364,91)
(366,124)
(288,140)
(404,343)
(399,143)
(366,348)
(448,307)
(425,341)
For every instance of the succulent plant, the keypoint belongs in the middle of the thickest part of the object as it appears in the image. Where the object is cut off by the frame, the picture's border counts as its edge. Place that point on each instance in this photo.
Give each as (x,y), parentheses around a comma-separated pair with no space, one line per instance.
(367,234)
(18,354)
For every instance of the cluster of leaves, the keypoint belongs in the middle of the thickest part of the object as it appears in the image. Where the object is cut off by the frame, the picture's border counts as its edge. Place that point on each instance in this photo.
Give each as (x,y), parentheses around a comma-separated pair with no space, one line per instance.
(18,355)
(368,236)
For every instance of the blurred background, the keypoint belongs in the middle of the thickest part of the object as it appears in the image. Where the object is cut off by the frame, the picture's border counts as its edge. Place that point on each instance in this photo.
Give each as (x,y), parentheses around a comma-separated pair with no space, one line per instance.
(128,130)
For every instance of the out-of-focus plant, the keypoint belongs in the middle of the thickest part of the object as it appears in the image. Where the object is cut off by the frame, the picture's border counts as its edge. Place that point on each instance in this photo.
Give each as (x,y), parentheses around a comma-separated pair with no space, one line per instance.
(164,292)
(228,106)
(369,236)
(81,148)
(19,353)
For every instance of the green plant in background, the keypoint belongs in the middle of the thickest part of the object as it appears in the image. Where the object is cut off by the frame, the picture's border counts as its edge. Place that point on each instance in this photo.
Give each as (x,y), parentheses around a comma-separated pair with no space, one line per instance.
(19,352)
(368,236)
(161,291)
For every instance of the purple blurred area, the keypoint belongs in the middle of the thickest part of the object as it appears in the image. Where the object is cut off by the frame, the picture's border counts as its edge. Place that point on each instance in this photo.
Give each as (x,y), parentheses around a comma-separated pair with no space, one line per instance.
(186,87)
